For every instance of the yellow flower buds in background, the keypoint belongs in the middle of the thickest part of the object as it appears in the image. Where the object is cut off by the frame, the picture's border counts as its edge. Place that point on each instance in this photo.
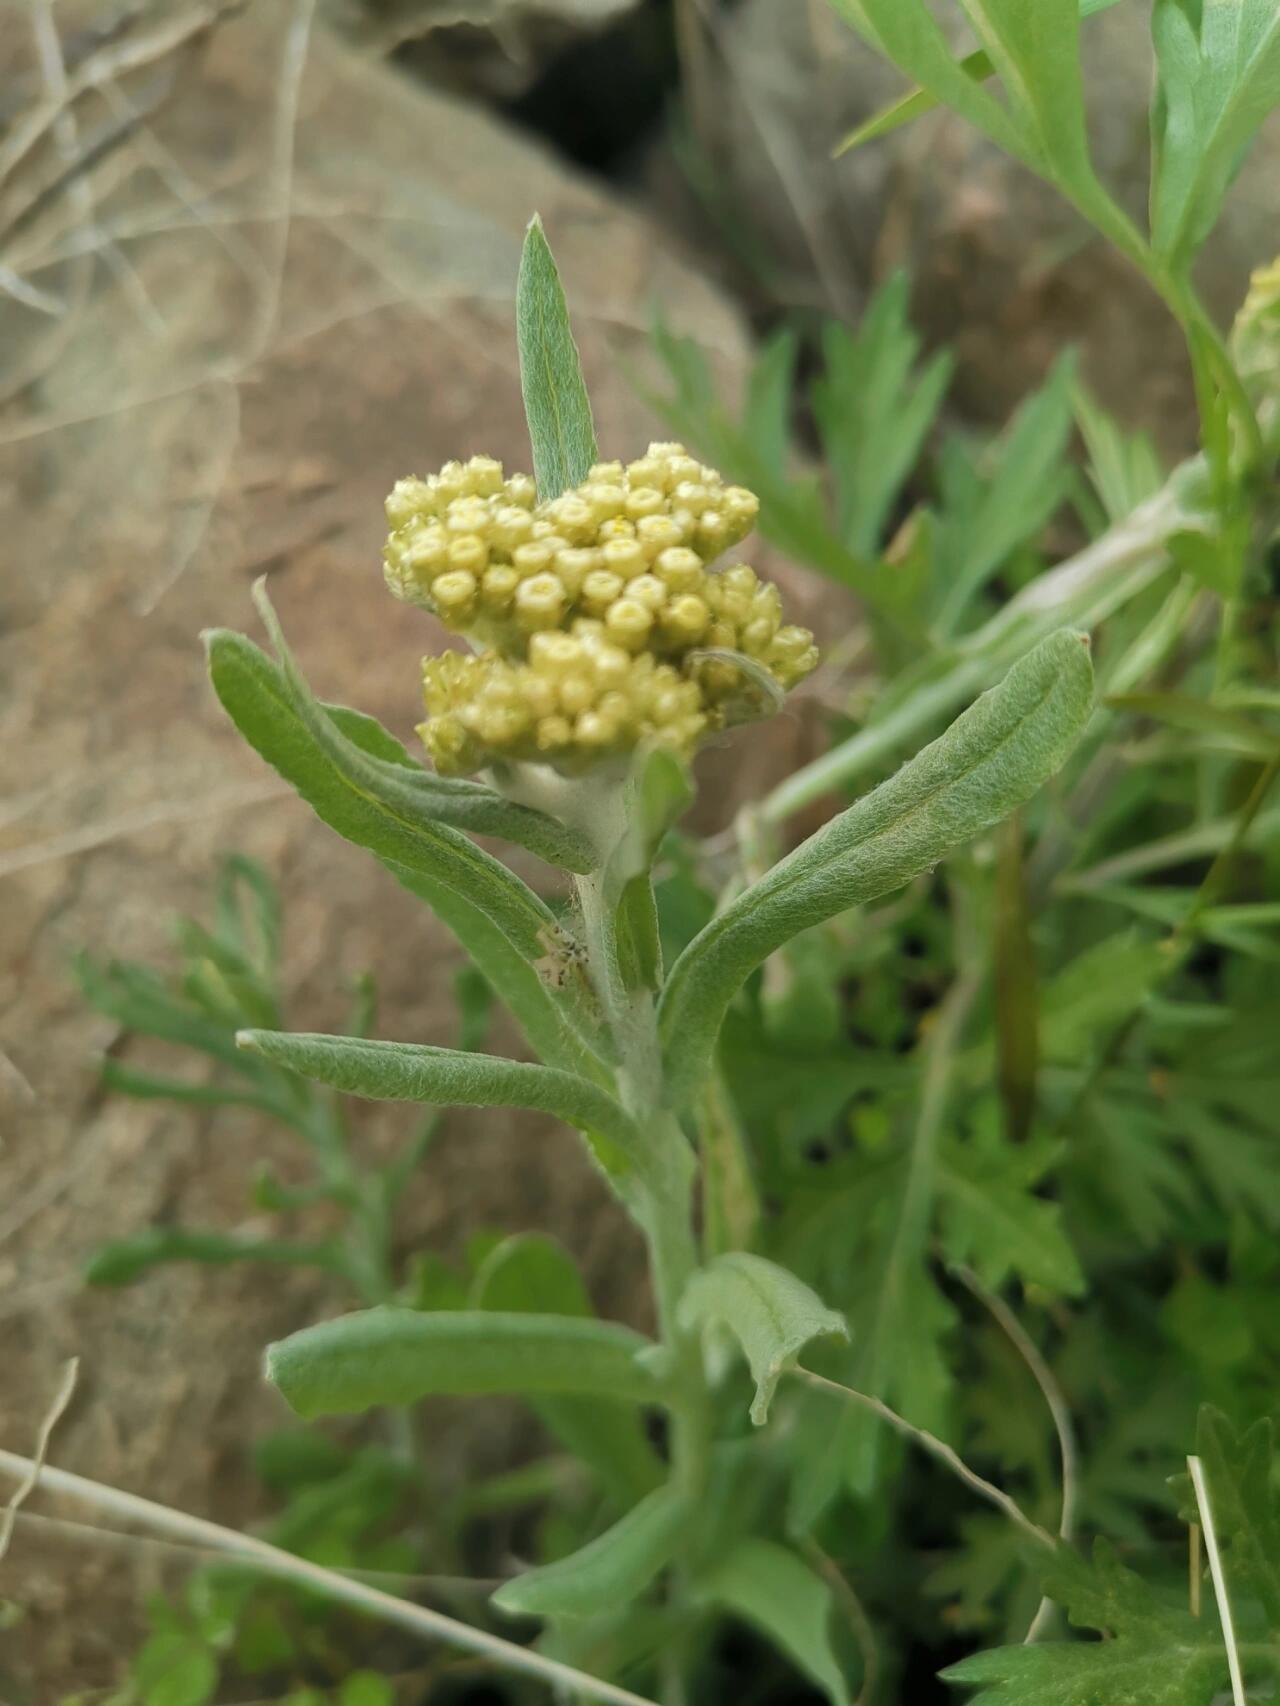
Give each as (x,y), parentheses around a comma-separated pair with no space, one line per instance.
(598,618)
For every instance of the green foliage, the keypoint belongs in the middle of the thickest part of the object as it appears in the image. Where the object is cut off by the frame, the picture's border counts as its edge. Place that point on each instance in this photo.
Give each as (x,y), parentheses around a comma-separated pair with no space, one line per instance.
(767,1585)
(1155,1654)
(611,1570)
(996,1153)
(771,1313)
(1219,63)
(396,1356)
(989,761)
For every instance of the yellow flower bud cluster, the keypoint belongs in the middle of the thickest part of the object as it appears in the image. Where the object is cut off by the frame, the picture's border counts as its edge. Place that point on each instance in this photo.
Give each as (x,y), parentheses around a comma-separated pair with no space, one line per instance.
(599,619)
(1255,336)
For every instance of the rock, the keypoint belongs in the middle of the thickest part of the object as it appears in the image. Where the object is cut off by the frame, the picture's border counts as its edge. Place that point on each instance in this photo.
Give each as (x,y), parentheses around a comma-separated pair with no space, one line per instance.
(311,294)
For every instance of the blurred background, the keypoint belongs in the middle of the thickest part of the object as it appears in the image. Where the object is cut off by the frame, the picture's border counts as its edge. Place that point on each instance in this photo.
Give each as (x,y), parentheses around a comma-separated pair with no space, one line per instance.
(257,260)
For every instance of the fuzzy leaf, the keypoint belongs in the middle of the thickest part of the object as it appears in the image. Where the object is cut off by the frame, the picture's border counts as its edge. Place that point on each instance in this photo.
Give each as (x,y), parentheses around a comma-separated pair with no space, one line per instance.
(530,1273)
(498,918)
(769,1587)
(991,759)
(772,1314)
(611,1570)
(445,1077)
(556,404)
(125,1260)
(396,1356)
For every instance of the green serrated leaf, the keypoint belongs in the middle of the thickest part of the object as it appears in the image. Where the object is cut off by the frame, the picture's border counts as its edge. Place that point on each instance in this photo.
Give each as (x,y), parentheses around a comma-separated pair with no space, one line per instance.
(992,759)
(556,404)
(1155,1654)
(993,1221)
(396,1356)
(611,1570)
(874,411)
(772,1314)
(769,1587)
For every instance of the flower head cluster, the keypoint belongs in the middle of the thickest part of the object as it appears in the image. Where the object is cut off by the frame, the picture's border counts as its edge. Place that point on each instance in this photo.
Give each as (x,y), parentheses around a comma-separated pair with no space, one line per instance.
(598,618)
(1255,336)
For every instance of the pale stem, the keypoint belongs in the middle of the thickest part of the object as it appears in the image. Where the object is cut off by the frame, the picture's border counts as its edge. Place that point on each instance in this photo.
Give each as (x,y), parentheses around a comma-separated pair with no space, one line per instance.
(417,1619)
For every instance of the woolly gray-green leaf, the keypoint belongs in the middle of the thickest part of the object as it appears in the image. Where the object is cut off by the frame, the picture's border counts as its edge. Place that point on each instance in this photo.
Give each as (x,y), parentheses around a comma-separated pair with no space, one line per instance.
(556,404)
(610,1571)
(372,763)
(772,1314)
(992,758)
(498,918)
(446,1077)
(396,1356)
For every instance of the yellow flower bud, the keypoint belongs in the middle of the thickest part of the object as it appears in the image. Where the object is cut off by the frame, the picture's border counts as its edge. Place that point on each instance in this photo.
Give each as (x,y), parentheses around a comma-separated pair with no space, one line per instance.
(576,692)
(553,734)
(657,533)
(649,590)
(408,498)
(594,729)
(554,653)
(605,473)
(521,490)
(454,594)
(680,569)
(574,564)
(685,619)
(498,587)
(511,527)
(540,602)
(623,557)
(599,589)
(468,551)
(629,622)
(572,518)
(642,501)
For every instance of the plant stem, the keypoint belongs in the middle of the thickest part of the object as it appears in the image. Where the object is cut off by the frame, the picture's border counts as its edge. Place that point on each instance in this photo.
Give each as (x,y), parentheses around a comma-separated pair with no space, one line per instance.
(419,1620)
(662,1201)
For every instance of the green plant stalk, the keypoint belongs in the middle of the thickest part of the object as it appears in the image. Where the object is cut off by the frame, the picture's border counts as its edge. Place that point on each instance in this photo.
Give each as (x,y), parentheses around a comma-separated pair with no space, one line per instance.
(662,1201)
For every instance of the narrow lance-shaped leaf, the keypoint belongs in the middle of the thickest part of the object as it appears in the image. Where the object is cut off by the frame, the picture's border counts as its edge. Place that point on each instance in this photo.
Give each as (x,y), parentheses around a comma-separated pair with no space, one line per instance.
(396,1356)
(991,759)
(556,404)
(418,1072)
(372,763)
(772,1314)
(498,919)
(609,1572)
